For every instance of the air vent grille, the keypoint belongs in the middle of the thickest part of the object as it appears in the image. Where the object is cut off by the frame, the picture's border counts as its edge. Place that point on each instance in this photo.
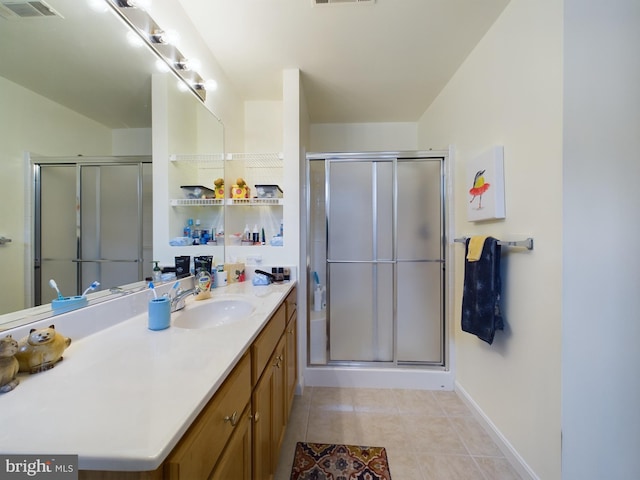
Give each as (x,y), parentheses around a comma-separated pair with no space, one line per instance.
(30,9)
(330,2)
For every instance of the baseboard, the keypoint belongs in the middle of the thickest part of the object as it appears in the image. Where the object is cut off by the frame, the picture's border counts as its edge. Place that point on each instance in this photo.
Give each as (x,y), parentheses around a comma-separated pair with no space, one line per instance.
(503,444)
(416,379)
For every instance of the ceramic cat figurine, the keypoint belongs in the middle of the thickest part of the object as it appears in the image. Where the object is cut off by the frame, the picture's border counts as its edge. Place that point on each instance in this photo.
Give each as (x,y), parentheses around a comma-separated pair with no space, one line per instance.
(41,349)
(8,364)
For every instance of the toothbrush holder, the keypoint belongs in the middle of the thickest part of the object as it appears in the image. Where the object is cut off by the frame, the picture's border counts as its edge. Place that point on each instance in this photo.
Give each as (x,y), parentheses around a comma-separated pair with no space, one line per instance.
(66,304)
(159,313)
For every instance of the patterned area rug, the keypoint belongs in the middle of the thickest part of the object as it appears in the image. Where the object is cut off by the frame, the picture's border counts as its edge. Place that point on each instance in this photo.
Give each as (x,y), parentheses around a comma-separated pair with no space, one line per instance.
(319,461)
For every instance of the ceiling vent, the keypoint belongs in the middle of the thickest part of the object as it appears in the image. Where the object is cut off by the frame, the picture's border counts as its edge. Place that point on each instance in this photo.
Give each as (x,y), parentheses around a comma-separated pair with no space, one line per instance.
(27,9)
(330,2)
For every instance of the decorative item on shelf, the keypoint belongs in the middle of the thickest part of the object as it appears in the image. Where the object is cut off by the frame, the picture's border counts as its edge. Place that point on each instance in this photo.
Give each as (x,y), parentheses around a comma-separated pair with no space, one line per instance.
(197,191)
(219,183)
(9,366)
(240,189)
(41,349)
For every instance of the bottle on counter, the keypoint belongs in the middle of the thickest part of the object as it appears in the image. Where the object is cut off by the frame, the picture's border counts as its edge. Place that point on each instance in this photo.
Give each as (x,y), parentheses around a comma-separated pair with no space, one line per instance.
(157,273)
(203,284)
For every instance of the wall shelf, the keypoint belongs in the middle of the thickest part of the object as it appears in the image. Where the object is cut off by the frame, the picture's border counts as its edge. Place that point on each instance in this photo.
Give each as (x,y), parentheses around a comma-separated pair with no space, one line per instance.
(196,202)
(255,201)
(197,158)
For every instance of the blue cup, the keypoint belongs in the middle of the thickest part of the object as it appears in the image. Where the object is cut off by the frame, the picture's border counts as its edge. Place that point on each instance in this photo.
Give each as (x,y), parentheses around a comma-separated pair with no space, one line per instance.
(159,313)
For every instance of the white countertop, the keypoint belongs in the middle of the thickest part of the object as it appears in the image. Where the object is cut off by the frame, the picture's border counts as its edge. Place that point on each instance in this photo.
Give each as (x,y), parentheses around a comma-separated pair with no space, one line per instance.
(123,397)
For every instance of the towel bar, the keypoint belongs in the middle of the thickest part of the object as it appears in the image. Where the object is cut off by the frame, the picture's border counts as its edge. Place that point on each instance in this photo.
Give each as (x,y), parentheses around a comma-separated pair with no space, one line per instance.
(527,243)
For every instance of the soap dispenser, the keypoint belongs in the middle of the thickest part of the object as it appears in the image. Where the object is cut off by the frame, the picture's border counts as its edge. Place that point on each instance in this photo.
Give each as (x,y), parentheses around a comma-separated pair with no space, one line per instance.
(157,272)
(203,284)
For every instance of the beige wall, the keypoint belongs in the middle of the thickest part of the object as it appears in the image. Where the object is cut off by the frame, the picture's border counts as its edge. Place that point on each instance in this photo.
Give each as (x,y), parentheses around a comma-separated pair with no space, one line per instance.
(509,92)
(361,137)
(31,123)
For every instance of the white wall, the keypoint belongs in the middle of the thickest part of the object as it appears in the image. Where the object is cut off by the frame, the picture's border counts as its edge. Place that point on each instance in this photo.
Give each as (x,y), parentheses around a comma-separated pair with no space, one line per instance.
(32,123)
(263,126)
(601,330)
(131,141)
(224,102)
(362,137)
(509,92)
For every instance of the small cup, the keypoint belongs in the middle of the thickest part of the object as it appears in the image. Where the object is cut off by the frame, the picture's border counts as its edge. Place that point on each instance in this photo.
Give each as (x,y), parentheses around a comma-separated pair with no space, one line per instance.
(159,313)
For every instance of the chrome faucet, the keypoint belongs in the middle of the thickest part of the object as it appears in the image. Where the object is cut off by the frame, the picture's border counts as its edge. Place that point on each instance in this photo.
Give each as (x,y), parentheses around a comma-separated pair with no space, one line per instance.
(177,302)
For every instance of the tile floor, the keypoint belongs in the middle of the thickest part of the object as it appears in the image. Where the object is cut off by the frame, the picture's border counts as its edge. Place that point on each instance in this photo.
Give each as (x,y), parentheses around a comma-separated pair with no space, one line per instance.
(428,435)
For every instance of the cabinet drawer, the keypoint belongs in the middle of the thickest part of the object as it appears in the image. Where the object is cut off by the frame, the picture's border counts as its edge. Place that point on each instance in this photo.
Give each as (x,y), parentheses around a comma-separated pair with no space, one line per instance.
(266,342)
(199,449)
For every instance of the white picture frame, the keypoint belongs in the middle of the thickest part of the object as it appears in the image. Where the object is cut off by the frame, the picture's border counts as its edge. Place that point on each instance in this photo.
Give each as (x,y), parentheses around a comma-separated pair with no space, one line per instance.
(485,186)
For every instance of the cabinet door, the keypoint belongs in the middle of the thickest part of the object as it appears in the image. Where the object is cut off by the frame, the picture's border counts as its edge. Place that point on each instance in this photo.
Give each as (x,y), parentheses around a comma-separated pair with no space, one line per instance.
(262,405)
(278,416)
(291,364)
(235,462)
(269,419)
(199,449)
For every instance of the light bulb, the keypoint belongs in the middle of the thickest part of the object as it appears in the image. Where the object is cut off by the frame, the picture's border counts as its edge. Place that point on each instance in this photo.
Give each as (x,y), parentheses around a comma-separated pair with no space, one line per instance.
(190,64)
(210,85)
(141,4)
(168,37)
(162,66)
(182,86)
(134,39)
(98,5)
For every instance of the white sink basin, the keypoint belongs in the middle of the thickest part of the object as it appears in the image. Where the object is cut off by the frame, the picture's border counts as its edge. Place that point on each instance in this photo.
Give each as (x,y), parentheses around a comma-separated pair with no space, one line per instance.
(212,313)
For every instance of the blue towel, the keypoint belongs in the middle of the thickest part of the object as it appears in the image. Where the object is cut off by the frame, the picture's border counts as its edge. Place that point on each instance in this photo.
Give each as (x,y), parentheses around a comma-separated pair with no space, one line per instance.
(481,313)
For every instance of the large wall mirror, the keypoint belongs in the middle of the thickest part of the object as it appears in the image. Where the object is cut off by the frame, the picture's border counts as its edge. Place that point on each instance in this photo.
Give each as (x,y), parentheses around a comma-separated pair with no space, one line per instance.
(71,86)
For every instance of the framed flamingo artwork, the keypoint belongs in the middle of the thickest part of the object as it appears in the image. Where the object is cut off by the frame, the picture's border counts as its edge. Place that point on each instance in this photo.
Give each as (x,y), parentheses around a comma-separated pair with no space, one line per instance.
(485,186)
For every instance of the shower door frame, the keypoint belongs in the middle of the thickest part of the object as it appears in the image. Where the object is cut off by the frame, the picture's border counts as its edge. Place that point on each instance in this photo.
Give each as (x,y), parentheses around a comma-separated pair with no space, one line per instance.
(394,157)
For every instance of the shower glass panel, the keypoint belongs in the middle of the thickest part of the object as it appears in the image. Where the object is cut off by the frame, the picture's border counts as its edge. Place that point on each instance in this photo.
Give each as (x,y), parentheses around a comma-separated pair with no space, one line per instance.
(58,221)
(420,272)
(111,224)
(360,249)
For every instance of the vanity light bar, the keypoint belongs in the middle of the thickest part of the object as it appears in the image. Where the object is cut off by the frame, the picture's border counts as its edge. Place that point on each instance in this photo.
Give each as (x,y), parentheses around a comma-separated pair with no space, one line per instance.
(162,43)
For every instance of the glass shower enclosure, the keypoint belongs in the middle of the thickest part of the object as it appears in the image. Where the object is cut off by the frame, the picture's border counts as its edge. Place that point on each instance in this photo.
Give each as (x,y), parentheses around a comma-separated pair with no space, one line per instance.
(376,256)
(92,223)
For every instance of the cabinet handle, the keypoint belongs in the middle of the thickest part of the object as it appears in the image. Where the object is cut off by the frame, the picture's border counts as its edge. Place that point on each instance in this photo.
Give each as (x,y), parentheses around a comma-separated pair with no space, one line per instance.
(233,419)
(256,417)
(290,331)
